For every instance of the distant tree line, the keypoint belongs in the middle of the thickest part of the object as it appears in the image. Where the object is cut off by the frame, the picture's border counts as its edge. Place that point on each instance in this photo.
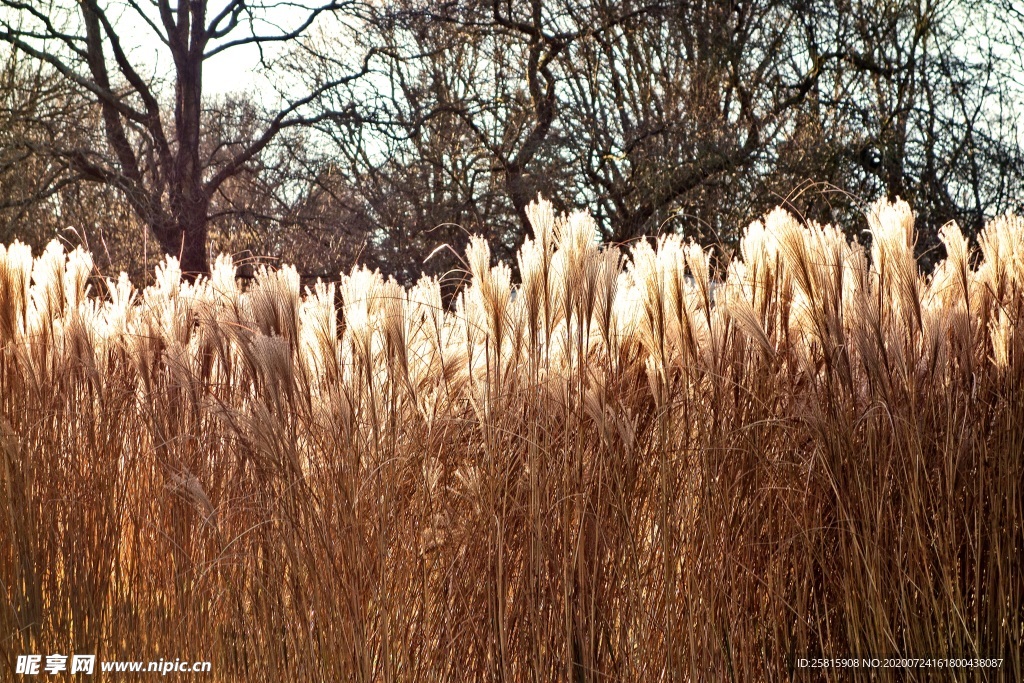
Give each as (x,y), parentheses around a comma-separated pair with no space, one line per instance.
(399,128)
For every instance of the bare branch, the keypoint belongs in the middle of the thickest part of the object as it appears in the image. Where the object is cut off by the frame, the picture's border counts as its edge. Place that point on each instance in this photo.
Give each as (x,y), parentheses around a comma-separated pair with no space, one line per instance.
(254,39)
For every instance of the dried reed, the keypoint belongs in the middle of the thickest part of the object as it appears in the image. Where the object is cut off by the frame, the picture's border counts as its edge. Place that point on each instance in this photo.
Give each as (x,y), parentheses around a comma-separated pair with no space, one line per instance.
(624,468)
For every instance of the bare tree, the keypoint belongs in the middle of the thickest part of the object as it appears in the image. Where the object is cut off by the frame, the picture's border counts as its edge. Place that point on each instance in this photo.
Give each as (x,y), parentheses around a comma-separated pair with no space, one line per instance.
(669,109)
(707,113)
(403,126)
(922,105)
(152,150)
(460,127)
(623,108)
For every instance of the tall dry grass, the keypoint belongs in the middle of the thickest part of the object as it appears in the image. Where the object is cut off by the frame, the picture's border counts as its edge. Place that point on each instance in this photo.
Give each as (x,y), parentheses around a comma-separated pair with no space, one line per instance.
(634,467)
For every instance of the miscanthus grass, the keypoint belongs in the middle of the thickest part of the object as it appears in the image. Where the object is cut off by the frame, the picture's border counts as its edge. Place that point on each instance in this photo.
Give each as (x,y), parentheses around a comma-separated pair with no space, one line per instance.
(639,465)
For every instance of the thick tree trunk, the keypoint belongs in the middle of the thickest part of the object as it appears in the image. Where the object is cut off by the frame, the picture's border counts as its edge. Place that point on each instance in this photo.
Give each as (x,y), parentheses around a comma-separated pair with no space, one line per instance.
(194,261)
(192,203)
(184,237)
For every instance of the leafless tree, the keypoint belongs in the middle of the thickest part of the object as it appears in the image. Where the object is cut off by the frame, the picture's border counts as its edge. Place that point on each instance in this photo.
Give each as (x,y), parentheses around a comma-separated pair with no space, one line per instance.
(922,106)
(151,148)
(404,126)
(670,107)
(686,115)
(454,128)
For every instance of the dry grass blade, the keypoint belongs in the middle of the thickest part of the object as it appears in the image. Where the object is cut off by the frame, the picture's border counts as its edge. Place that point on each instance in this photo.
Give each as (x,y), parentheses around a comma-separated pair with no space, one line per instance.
(632,466)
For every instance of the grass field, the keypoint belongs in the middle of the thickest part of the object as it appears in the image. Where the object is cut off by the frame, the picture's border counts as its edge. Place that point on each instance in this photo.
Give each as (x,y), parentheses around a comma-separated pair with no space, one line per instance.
(640,466)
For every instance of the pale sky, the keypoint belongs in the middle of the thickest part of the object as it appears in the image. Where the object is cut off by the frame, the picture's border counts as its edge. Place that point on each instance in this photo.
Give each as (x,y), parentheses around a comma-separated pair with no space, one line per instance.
(234,70)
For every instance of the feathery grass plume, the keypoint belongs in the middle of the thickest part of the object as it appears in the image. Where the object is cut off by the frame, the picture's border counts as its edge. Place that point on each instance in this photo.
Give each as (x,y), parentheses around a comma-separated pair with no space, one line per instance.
(627,311)
(46,309)
(946,301)
(318,325)
(542,277)
(76,274)
(118,307)
(531,291)
(428,331)
(759,253)
(1001,272)
(770,282)
(167,311)
(48,282)
(471,325)
(606,287)
(818,260)
(740,308)
(648,281)
(1000,275)
(274,302)
(79,333)
(360,294)
(892,256)
(710,328)
(15,277)
(575,235)
(675,300)
(1001,333)
(275,371)
(952,276)
(490,296)
(222,278)
(434,334)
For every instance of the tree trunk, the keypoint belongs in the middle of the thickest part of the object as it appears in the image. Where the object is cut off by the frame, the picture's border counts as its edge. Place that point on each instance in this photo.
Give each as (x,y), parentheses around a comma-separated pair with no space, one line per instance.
(193,252)
(184,238)
(189,200)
